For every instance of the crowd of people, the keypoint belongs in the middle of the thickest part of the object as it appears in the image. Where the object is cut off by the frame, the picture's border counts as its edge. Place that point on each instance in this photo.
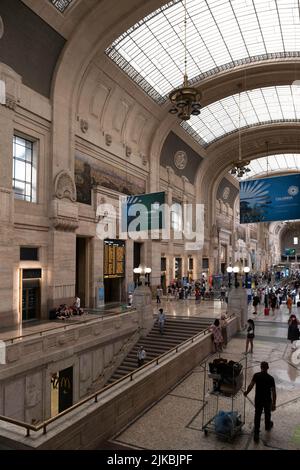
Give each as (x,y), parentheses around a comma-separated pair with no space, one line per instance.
(63,311)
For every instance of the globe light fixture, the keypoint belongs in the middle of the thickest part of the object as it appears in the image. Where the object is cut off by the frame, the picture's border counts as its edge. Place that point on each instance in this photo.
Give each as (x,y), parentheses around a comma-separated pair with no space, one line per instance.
(185,100)
(142,270)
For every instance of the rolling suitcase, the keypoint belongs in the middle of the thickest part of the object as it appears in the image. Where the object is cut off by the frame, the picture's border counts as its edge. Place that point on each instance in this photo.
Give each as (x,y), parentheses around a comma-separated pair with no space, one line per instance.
(266,311)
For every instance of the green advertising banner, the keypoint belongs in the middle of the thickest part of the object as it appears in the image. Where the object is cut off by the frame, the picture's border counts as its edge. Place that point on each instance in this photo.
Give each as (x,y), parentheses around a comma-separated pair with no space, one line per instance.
(143,212)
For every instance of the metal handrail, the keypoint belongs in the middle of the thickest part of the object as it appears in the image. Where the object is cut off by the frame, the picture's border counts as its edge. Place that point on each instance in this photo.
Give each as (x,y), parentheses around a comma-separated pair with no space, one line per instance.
(94,396)
(66,326)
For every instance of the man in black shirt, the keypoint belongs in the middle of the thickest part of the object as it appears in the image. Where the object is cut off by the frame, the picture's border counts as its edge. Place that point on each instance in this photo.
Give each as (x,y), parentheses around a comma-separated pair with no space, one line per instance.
(265,398)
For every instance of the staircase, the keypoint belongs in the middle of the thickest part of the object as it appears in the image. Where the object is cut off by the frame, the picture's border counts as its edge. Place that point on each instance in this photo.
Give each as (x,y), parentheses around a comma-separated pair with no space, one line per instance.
(176,331)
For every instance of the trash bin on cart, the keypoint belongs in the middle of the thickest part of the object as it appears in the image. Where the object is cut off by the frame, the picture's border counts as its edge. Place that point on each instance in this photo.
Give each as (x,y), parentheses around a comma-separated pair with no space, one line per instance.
(223,411)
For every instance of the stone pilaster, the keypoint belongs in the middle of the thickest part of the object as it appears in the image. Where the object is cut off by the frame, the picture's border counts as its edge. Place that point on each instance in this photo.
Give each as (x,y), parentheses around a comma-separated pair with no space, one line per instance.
(238,304)
(142,301)
(9,279)
(62,249)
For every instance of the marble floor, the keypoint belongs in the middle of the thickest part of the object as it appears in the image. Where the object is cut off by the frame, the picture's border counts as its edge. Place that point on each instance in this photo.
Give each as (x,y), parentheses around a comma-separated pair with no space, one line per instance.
(175,421)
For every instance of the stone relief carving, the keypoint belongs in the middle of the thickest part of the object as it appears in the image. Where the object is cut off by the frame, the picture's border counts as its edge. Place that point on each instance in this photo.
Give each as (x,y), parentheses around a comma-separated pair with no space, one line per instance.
(180,159)
(67,225)
(84,125)
(144,159)
(108,139)
(12,85)
(128,151)
(64,186)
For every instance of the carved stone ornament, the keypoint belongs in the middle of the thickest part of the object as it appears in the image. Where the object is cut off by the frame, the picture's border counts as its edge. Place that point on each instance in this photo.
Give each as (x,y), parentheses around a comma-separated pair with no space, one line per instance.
(180,159)
(128,151)
(108,139)
(144,159)
(66,225)
(84,125)
(64,186)
(226,193)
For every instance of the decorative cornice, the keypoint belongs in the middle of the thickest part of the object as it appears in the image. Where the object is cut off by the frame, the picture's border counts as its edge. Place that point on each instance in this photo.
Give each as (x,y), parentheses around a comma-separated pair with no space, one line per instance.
(66,225)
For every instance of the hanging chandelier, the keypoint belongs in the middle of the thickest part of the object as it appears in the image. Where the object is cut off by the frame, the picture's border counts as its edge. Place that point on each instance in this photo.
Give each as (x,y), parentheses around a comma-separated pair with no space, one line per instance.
(185,100)
(240,167)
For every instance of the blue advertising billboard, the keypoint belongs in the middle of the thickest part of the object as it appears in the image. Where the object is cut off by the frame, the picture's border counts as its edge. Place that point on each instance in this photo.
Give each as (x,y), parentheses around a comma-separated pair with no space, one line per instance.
(143,212)
(270,199)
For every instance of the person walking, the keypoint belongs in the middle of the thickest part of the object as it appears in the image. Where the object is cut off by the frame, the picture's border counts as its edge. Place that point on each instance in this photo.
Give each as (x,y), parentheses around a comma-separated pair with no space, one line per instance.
(289,304)
(223,292)
(161,320)
(141,356)
(158,294)
(250,335)
(265,398)
(293,330)
(255,303)
(217,335)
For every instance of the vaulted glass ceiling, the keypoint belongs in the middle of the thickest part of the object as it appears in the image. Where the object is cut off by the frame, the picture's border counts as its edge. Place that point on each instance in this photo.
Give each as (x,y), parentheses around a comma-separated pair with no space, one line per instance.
(220,34)
(267,166)
(259,106)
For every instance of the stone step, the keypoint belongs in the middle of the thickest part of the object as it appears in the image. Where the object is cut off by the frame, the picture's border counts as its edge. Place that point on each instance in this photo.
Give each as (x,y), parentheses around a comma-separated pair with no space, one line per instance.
(176,331)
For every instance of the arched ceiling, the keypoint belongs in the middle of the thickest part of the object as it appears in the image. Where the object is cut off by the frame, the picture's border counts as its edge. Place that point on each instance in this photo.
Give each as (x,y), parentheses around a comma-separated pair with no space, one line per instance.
(273,164)
(249,108)
(221,34)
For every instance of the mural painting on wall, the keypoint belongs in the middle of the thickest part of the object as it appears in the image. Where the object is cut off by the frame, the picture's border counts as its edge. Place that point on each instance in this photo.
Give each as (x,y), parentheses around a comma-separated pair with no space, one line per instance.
(88,175)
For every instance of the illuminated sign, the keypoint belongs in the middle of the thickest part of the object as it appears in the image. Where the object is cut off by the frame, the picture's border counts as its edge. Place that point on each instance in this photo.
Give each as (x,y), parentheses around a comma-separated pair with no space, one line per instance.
(114,258)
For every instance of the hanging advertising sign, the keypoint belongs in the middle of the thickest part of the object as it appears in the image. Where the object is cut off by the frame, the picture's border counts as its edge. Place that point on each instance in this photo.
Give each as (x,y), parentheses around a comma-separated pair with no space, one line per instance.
(270,199)
(143,212)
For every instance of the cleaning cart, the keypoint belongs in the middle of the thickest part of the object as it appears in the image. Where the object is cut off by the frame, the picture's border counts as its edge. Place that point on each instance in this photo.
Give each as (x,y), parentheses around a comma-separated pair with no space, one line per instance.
(224,404)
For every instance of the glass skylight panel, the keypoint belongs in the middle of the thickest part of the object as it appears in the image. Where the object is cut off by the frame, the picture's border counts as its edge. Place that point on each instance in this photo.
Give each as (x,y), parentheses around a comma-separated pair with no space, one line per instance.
(219,32)
(266,166)
(257,106)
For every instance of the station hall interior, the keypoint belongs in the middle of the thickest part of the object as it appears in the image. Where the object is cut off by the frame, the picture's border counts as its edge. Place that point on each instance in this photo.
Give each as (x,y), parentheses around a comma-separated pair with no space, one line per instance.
(189,110)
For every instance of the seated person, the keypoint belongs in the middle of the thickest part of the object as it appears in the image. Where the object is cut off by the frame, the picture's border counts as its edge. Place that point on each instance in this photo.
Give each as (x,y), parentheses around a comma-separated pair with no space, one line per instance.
(63,312)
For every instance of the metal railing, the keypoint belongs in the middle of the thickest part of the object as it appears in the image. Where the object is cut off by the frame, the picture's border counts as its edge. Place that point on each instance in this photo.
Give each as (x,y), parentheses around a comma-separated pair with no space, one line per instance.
(95,395)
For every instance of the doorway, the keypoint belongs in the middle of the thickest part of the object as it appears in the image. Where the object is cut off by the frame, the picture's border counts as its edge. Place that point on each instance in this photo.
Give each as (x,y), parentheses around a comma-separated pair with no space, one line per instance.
(81,270)
(31,299)
(61,390)
(113,290)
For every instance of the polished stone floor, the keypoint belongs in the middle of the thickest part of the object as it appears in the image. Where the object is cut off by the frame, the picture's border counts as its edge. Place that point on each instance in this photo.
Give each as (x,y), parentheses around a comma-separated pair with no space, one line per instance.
(175,422)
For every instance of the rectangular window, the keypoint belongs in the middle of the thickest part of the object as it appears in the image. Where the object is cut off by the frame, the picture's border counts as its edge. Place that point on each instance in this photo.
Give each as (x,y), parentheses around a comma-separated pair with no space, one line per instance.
(205,263)
(163,264)
(28,253)
(191,264)
(24,169)
(176,217)
(295,240)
